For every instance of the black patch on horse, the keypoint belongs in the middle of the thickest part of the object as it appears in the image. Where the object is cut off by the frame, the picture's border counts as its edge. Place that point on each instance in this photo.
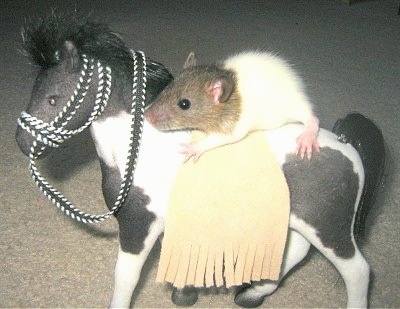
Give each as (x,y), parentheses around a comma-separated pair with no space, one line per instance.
(323,193)
(133,218)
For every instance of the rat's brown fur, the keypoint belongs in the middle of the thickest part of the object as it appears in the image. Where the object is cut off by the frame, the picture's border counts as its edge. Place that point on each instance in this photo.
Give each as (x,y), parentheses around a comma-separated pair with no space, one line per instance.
(204,114)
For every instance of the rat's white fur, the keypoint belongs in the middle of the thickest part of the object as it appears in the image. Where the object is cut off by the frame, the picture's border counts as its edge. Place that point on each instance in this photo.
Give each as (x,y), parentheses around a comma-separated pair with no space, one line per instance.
(272,93)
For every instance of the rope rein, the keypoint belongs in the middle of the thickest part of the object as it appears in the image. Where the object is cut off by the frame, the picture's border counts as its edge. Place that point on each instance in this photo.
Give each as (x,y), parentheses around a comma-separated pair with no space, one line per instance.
(53,134)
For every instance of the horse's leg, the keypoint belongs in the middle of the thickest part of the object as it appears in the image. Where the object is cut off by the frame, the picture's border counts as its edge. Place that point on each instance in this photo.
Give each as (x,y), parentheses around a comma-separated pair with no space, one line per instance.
(355,272)
(185,297)
(129,266)
(139,228)
(347,259)
(253,296)
(140,224)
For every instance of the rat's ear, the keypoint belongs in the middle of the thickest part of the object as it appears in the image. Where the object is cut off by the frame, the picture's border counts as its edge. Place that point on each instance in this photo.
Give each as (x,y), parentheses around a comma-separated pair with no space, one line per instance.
(191,61)
(221,88)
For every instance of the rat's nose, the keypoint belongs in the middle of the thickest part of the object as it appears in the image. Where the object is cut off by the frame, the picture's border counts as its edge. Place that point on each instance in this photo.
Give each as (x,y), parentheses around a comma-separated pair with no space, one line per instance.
(150,117)
(157,118)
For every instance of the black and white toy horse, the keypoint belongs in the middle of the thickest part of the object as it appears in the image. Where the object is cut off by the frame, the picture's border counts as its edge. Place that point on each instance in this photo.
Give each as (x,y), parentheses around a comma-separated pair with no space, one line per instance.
(87,78)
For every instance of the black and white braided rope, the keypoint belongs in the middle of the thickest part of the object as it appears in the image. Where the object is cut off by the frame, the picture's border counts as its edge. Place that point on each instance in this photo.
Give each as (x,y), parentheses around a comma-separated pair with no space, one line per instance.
(53,134)
(137,118)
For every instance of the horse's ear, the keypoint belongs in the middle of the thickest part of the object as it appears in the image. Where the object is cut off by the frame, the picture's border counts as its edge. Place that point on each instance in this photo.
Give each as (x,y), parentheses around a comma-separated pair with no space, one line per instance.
(191,61)
(69,54)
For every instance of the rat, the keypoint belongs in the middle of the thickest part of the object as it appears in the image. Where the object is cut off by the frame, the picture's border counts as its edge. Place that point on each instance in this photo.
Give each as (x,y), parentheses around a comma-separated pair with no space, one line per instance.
(248,91)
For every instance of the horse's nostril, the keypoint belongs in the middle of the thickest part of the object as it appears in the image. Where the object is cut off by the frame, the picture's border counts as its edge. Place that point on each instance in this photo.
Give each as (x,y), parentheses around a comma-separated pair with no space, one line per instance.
(24,140)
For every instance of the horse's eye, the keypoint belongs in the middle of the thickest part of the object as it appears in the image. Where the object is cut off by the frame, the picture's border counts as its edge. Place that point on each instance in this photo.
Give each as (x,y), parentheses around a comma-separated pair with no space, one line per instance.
(57,55)
(184,104)
(52,101)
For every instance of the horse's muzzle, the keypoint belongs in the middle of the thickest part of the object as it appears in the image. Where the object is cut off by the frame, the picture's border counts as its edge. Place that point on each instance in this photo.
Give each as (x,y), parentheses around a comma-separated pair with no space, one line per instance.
(25,141)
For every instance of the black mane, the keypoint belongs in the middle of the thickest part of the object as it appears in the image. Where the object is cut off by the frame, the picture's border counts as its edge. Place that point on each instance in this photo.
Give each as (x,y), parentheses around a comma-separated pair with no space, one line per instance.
(41,41)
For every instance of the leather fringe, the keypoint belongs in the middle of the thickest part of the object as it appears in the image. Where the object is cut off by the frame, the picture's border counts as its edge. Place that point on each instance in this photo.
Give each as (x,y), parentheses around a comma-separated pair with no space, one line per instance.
(228,265)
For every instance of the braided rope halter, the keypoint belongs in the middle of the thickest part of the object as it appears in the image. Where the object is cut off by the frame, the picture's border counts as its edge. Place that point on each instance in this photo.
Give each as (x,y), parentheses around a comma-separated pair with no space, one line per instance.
(53,134)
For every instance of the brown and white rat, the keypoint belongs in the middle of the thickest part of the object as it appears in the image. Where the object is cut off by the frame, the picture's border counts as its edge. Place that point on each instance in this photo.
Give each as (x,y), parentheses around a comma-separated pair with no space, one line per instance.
(247,92)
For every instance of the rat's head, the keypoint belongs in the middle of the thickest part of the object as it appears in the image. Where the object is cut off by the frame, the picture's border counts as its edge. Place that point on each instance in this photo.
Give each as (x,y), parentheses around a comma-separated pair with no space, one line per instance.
(197,99)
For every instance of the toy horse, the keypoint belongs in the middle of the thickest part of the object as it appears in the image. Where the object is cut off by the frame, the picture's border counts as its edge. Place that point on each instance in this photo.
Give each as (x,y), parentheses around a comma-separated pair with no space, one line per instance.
(329,194)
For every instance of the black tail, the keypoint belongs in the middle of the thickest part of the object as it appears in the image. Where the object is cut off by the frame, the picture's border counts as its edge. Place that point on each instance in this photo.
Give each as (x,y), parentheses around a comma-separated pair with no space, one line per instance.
(368,140)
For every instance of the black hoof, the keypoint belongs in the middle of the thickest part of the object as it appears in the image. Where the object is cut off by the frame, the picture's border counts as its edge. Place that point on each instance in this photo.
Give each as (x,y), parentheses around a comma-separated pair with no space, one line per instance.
(247,301)
(184,297)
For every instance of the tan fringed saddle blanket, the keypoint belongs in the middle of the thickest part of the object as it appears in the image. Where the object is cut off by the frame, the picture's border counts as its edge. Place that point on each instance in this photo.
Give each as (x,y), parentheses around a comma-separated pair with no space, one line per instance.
(228,218)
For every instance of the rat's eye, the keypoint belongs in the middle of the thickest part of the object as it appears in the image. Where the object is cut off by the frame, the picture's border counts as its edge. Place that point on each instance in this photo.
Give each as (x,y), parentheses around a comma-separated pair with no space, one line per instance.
(184,104)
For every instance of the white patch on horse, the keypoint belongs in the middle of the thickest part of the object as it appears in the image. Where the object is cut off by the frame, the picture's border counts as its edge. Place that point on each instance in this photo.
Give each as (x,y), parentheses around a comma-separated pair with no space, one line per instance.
(158,160)
(158,163)
(111,138)
(310,233)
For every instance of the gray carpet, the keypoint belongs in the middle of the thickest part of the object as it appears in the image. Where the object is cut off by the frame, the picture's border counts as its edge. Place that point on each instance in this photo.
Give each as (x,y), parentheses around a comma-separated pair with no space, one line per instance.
(349,57)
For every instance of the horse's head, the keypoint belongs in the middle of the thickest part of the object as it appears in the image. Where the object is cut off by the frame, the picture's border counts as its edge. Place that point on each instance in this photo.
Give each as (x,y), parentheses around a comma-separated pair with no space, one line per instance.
(52,89)
(58,45)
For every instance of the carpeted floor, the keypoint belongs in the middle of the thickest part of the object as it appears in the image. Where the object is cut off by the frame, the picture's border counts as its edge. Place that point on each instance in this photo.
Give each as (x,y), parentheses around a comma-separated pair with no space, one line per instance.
(349,57)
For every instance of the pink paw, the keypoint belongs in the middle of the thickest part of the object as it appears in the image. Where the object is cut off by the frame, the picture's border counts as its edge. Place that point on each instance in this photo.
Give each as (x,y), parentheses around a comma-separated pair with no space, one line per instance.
(306,144)
(191,150)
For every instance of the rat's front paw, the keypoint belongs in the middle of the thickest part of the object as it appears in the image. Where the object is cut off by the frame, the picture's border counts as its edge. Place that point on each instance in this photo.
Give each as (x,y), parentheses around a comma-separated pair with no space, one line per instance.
(191,150)
(306,144)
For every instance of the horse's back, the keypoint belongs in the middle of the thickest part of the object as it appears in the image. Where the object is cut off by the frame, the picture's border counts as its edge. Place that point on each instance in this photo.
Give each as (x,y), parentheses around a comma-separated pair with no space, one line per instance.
(283,143)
